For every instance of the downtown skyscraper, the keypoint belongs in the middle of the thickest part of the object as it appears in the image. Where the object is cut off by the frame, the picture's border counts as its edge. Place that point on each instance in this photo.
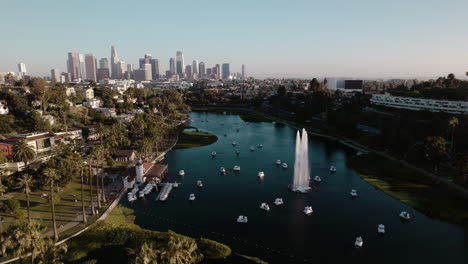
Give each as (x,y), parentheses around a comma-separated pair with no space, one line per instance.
(201,70)
(226,71)
(154,69)
(73,66)
(180,64)
(90,67)
(172,70)
(114,61)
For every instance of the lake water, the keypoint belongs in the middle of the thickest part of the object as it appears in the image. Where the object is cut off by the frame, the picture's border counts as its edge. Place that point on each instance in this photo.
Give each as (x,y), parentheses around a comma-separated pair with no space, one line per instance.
(285,234)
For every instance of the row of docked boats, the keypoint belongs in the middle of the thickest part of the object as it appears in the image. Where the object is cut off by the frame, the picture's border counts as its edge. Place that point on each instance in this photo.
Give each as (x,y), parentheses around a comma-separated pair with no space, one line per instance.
(132,195)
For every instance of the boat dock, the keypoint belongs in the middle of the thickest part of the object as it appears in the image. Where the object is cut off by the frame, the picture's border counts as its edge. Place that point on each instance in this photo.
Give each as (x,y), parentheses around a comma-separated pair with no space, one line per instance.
(165,191)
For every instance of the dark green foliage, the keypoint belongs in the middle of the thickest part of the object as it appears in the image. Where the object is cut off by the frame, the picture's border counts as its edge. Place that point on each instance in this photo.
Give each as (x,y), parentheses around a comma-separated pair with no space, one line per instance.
(213,249)
(9,206)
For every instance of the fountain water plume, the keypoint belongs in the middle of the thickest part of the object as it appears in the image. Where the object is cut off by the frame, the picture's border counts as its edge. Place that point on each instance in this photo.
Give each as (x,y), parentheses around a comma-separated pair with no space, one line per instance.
(301,163)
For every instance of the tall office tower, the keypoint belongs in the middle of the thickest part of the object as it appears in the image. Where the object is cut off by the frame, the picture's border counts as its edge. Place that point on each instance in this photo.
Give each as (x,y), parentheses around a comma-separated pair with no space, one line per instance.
(55,75)
(83,67)
(168,74)
(180,64)
(129,72)
(214,74)
(195,67)
(147,68)
(73,65)
(243,71)
(144,60)
(218,71)
(103,74)
(209,72)
(201,70)
(226,71)
(104,63)
(139,75)
(66,77)
(21,70)
(188,72)
(120,69)
(154,69)
(114,61)
(172,66)
(91,67)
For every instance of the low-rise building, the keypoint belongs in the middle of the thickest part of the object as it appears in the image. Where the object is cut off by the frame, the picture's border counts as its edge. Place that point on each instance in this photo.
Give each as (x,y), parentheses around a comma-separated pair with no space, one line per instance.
(92,103)
(39,141)
(410,103)
(3,107)
(125,155)
(86,92)
(106,111)
(144,172)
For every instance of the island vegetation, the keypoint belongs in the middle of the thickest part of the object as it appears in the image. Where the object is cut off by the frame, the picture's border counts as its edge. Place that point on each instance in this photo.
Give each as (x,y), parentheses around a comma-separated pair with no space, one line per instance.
(191,137)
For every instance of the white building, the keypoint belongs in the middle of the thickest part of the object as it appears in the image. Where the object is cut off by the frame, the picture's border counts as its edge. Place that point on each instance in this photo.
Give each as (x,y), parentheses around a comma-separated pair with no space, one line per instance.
(3,107)
(92,103)
(21,70)
(69,91)
(87,93)
(106,111)
(433,105)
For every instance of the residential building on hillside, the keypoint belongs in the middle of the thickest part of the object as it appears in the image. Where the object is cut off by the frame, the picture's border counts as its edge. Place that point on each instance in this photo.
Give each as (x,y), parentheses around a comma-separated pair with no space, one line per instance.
(410,103)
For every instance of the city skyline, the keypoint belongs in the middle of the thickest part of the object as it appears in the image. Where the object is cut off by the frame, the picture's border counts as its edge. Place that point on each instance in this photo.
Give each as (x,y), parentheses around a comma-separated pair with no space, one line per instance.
(363,39)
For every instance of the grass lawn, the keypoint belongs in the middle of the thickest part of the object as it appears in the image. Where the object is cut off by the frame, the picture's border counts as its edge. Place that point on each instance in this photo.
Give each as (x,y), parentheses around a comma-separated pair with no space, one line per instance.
(67,210)
(195,139)
(411,188)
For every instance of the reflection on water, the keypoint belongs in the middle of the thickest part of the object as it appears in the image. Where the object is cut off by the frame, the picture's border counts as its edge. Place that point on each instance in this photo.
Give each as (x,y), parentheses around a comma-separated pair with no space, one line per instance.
(286,234)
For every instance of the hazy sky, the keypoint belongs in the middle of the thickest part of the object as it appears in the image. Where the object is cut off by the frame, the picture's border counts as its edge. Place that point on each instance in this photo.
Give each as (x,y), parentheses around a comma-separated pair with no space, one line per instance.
(273,38)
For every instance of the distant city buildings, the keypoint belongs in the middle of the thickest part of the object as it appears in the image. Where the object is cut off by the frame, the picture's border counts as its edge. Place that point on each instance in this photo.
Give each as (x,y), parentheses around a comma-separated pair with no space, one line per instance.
(172,68)
(104,63)
(180,64)
(91,67)
(21,70)
(226,71)
(86,67)
(154,69)
(73,65)
(114,60)
(201,70)
(188,72)
(55,75)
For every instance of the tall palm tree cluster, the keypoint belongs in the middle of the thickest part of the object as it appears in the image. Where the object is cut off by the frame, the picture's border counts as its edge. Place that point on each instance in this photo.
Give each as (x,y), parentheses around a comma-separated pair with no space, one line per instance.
(179,250)
(25,240)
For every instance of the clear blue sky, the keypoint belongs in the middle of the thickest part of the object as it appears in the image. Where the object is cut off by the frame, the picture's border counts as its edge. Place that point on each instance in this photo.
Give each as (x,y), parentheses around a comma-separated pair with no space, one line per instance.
(273,38)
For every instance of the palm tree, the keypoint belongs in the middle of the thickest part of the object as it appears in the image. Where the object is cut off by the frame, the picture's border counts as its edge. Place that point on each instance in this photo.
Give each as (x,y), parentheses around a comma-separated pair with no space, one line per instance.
(50,253)
(102,131)
(22,151)
(22,238)
(25,181)
(453,122)
(91,187)
(52,176)
(82,193)
(3,189)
